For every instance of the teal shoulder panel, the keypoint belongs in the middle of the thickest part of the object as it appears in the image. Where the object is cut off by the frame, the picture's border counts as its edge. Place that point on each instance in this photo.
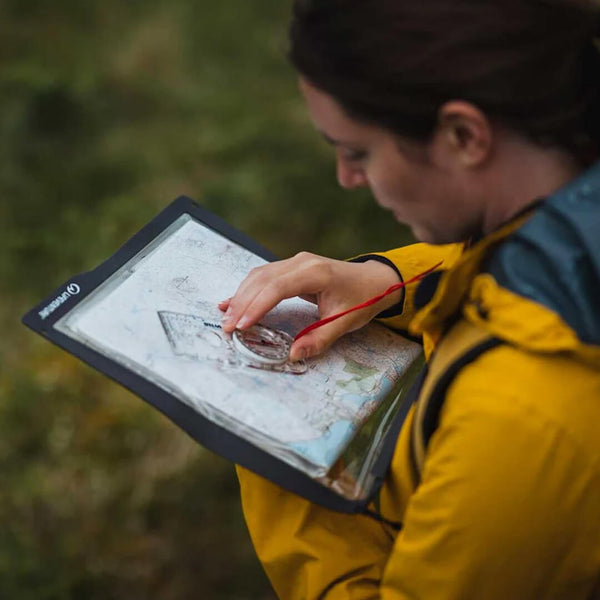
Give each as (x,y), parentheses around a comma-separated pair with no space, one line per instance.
(554,258)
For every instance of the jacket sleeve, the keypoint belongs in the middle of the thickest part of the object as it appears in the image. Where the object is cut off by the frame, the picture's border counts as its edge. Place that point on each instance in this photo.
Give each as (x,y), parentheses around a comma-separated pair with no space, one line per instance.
(309,552)
(410,261)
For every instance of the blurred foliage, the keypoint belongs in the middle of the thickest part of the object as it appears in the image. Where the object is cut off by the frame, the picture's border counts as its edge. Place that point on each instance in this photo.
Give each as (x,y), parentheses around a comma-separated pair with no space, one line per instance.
(108,111)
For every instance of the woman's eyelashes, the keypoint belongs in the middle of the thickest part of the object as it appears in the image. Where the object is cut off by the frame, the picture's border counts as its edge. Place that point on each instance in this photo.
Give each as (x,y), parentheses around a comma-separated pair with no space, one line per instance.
(354,154)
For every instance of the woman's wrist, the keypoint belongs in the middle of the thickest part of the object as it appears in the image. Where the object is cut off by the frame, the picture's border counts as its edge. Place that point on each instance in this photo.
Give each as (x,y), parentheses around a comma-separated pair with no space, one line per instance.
(379,276)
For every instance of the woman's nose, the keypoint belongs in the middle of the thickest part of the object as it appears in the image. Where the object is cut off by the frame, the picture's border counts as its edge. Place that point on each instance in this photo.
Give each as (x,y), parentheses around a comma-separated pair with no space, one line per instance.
(349,176)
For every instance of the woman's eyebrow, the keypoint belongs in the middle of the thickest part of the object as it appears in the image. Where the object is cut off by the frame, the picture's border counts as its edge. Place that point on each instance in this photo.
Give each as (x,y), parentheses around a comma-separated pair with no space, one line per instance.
(329,139)
(334,142)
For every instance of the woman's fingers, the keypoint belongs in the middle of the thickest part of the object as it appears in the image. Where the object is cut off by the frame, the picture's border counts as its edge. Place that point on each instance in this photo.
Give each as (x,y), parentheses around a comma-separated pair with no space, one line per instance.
(224,304)
(236,306)
(288,285)
(268,285)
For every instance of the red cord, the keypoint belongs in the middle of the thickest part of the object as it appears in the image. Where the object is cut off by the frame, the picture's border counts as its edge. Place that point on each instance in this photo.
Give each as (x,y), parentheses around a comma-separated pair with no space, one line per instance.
(387,292)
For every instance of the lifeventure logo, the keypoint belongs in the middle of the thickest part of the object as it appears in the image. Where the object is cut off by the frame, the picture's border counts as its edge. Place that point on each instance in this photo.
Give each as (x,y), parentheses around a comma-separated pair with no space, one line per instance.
(72,290)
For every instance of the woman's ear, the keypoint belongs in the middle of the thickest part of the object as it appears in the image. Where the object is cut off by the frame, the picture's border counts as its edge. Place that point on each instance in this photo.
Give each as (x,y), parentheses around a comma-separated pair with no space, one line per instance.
(464,133)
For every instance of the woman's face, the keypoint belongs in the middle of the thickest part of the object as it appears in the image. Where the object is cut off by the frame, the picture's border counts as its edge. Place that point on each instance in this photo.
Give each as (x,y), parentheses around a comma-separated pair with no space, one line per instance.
(422,188)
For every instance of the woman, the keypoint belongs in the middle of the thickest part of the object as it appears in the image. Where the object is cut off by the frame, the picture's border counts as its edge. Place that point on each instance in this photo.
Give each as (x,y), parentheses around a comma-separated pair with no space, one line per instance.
(477,124)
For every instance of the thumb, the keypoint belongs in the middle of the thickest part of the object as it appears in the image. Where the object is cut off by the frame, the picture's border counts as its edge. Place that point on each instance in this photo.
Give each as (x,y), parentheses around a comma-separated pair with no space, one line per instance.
(308,346)
(319,340)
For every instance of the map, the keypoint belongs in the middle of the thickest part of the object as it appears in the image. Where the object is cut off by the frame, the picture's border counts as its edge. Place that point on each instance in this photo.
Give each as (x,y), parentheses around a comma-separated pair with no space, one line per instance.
(158,316)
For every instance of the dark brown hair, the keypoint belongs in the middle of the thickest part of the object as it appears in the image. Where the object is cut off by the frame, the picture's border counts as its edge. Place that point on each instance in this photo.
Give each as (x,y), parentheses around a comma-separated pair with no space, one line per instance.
(529,64)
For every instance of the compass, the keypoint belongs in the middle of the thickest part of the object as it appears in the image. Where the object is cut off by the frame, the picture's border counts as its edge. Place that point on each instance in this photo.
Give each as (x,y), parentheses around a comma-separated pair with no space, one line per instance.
(266,347)
(263,344)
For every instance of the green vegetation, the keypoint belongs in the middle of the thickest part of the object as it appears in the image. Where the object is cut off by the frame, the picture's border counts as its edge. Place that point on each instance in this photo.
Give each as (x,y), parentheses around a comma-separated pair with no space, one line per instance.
(108,111)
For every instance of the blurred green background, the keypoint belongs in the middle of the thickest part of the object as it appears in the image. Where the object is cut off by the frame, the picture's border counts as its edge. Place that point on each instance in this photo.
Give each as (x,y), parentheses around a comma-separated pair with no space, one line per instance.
(108,111)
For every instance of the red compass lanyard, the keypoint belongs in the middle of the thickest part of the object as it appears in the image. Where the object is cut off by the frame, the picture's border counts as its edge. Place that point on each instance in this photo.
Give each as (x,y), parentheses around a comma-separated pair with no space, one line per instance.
(369,302)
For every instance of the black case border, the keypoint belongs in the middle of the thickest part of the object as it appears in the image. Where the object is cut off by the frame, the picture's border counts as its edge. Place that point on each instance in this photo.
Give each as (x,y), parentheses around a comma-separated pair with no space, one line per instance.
(210,435)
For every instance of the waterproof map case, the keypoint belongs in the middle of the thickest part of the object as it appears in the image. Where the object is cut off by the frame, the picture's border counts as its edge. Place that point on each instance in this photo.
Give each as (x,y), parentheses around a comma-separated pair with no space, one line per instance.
(147,317)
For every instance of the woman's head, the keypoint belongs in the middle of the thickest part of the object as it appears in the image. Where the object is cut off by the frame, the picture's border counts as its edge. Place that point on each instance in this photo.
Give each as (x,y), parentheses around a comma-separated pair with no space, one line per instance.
(456,113)
(530,65)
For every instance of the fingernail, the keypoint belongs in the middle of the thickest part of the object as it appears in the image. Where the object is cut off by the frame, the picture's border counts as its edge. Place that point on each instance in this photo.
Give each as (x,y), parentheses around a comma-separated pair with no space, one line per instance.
(226,321)
(242,322)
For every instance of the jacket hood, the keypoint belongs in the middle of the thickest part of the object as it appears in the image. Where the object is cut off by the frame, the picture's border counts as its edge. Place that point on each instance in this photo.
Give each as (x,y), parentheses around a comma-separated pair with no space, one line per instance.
(534,283)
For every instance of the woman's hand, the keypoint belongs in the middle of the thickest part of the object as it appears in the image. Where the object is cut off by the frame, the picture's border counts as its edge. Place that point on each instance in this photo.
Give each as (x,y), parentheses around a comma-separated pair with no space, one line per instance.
(334,285)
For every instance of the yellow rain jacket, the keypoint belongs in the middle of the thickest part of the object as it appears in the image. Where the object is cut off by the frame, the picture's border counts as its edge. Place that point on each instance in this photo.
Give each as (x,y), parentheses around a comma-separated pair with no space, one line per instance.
(503,503)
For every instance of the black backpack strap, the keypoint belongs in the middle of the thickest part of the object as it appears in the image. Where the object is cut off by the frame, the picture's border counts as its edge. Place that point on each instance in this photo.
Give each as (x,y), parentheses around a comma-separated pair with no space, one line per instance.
(438,395)
(449,359)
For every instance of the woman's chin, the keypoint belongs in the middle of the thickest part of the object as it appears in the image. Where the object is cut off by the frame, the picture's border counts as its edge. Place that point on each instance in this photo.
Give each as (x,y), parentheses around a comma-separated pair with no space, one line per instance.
(427,236)
(422,234)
